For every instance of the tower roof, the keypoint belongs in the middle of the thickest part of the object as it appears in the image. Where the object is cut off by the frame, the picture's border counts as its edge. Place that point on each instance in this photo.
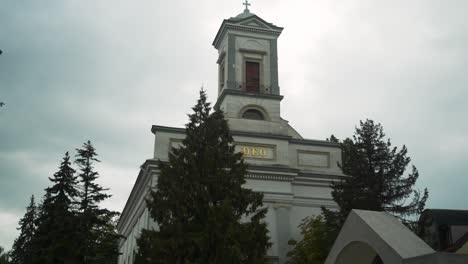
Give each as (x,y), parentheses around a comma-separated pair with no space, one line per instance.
(246,21)
(242,15)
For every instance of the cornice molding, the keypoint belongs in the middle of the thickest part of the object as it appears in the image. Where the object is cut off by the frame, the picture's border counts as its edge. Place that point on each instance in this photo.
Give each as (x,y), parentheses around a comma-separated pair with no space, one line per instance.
(149,166)
(268,177)
(237,25)
(177,130)
(233,92)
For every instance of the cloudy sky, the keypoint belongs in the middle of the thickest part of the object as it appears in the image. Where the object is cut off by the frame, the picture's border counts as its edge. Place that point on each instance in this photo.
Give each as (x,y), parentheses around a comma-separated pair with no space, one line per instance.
(73,70)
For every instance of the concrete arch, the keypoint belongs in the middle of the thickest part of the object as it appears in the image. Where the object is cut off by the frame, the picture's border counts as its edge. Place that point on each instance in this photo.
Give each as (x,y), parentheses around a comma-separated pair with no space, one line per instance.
(359,252)
(367,234)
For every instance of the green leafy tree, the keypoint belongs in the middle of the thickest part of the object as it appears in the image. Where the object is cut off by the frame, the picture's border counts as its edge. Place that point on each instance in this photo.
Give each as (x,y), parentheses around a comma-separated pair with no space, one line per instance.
(97,235)
(4,258)
(21,252)
(56,238)
(376,180)
(318,234)
(203,212)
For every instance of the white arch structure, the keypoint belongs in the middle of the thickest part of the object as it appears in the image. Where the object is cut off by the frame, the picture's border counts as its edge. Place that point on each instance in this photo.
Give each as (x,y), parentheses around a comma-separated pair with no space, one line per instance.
(367,234)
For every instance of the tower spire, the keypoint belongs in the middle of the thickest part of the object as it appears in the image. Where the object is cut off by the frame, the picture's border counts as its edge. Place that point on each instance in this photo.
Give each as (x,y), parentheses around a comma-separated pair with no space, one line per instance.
(247,4)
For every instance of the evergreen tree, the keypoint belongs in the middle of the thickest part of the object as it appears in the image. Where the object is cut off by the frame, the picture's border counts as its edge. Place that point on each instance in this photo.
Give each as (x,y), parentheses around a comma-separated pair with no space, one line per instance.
(204,214)
(21,252)
(376,181)
(4,259)
(96,226)
(106,242)
(56,238)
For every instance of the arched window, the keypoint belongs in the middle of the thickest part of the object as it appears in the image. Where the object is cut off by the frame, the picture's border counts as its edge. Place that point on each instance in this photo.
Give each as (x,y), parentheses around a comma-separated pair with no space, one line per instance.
(253,114)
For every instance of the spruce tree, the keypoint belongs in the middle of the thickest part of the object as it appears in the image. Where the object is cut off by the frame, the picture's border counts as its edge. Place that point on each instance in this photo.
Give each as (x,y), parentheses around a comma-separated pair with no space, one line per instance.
(4,256)
(203,213)
(56,238)
(21,252)
(375,180)
(96,226)
(377,176)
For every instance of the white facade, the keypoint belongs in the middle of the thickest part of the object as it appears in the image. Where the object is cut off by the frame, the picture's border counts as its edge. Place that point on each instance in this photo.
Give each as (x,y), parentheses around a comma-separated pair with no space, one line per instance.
(293,173)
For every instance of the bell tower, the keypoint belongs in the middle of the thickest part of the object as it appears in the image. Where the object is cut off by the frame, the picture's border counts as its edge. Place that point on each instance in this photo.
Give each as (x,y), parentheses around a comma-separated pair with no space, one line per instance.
(248,59)
(248,88)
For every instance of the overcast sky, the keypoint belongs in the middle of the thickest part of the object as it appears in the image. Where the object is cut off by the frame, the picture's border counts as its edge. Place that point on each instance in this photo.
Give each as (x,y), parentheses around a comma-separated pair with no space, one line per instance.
(73,70)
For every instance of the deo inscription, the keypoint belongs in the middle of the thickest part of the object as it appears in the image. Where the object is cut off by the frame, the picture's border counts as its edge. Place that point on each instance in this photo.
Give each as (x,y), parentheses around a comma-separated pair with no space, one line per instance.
(257,152)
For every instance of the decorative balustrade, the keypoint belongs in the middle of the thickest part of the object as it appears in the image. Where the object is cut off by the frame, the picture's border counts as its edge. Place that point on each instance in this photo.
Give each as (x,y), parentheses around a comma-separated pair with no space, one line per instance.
(245,87)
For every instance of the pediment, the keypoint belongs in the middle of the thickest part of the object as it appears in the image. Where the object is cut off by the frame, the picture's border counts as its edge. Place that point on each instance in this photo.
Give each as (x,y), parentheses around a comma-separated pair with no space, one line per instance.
(254,23)
(251,23)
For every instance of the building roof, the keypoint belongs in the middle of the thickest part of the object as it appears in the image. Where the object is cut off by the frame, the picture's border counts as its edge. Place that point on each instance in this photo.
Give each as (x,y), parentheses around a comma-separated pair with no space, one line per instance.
(447,216)
(242,15)
(241,22)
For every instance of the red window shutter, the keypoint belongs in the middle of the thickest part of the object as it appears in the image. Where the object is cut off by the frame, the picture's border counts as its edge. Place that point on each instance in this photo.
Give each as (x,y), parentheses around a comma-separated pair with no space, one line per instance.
(252,77)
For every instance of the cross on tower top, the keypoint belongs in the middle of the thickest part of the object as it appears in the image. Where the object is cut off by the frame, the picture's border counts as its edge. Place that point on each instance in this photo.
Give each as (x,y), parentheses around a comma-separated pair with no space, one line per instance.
(247,4)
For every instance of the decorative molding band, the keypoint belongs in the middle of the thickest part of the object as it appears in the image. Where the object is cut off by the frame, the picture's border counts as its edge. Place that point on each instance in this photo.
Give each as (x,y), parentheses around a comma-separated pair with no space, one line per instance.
(226,25)
(237,92)
(156,128)
(314,142)
(260,52)
(178,130)
(313,198)
(148,169)
(268,177)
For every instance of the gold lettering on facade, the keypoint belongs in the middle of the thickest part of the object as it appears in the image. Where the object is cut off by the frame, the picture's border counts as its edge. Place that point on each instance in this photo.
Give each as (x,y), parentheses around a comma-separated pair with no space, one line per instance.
(254,152)
(246,151)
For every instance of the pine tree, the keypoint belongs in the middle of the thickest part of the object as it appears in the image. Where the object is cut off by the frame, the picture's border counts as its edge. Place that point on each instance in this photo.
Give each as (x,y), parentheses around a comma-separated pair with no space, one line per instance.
(21,252)
(204,214)
(56,238)
(93,220)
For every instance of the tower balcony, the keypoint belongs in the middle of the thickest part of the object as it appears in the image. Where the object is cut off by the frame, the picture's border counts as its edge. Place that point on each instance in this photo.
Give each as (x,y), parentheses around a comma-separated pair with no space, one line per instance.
(248,87)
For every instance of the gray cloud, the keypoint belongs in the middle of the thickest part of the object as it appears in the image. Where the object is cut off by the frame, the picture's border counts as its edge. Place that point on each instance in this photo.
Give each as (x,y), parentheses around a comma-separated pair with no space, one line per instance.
(108,70)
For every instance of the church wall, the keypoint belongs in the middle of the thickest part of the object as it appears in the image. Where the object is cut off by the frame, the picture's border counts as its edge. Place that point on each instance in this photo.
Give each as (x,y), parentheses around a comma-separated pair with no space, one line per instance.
(233,104)
(277,187)
(298,213)
(320,159)
(222,61)
(279,147)
(129,246)
(255,44)
(293,174)
(163,142)
(310,191)
(257,125)
(270,219)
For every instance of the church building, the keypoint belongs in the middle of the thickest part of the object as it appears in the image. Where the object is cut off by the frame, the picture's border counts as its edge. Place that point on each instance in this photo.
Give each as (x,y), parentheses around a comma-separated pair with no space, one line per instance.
(292,172)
